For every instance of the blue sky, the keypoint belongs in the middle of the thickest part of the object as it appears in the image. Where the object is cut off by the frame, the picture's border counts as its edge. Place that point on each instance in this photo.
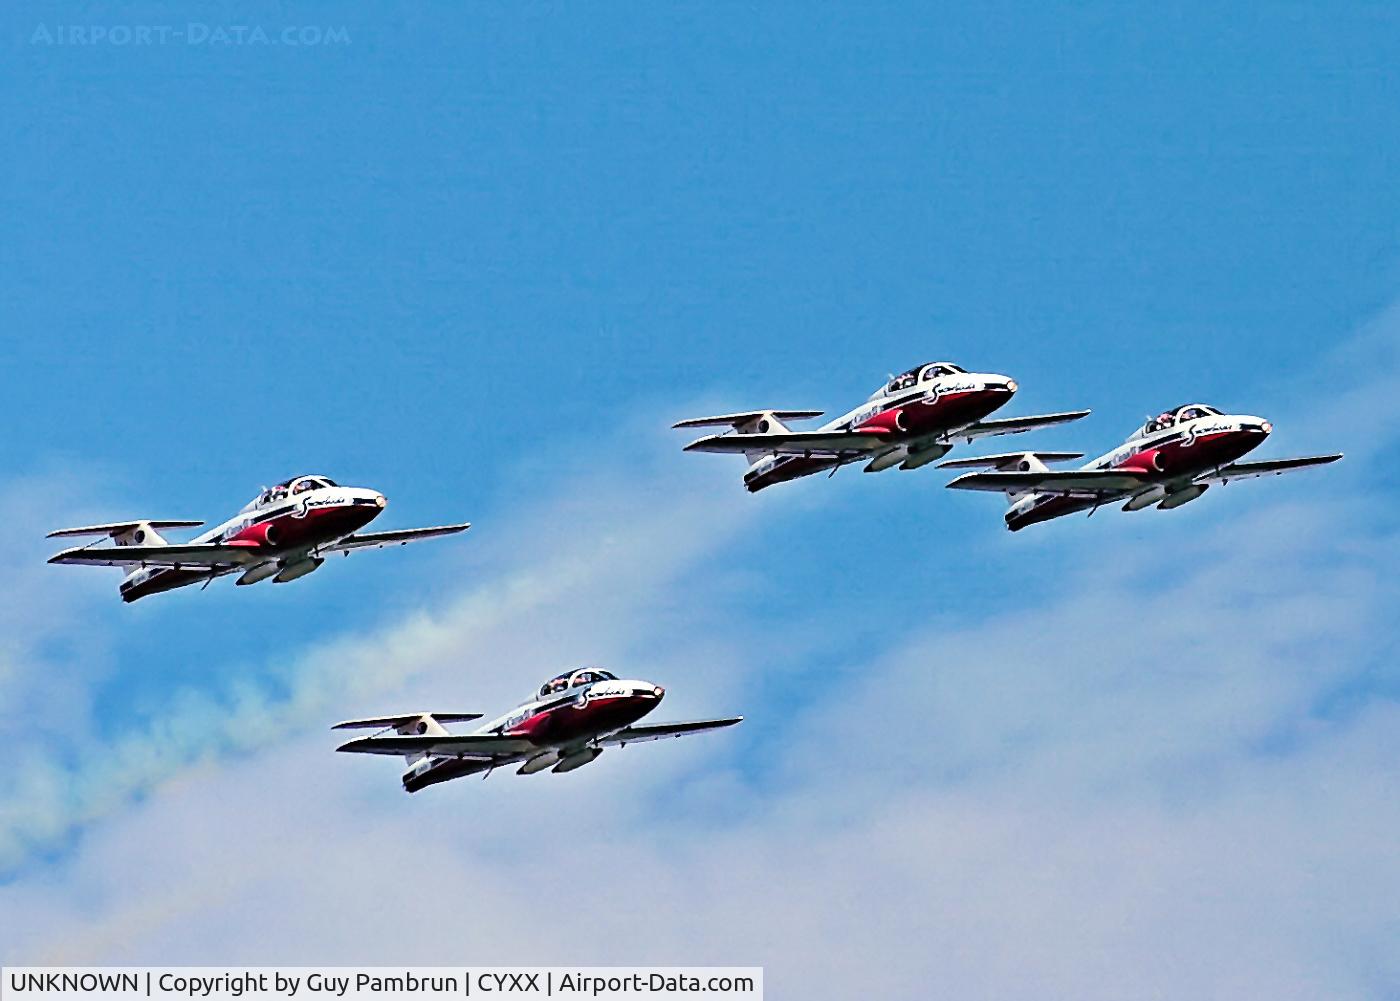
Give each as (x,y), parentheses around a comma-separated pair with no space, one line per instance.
(481,257)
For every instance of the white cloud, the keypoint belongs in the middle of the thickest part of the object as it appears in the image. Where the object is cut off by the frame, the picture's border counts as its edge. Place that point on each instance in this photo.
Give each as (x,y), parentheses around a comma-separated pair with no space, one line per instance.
(488,641)
(1173,777)
(1015,808)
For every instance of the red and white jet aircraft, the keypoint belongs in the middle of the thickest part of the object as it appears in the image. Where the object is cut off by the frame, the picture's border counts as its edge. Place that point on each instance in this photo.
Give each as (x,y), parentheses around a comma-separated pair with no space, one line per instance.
(567,724)
(1172,460)
(284,533)
(911,421)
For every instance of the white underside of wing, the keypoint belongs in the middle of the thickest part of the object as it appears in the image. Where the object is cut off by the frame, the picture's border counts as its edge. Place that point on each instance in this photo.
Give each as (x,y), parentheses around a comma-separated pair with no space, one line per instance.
(209,555)
(1064,482)
(661,731)
(484,746)
(382,540)
(1268,467)
(1016,425)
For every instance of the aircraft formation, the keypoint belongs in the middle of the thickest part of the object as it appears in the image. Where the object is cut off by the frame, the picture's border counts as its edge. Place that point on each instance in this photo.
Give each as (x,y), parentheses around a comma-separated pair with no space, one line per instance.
(915,419)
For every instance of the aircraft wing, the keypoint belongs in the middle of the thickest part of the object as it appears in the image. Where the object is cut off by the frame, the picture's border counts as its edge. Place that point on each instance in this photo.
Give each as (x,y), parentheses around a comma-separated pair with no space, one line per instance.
(381,540)
(207,554)
(660,731)
(793,442)
(1269,467)
(1068,481)
(486,746)
(1016,425)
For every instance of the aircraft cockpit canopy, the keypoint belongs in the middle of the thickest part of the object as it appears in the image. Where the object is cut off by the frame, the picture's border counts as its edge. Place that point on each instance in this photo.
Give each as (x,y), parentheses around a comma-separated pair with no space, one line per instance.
(920,373)
(289,488)
(1169,418)
(573,679)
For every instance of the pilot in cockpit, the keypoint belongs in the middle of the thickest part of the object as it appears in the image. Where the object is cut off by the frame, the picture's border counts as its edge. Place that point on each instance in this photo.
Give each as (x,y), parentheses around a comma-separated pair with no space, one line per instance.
(303,485)
(898,383)
(559,684)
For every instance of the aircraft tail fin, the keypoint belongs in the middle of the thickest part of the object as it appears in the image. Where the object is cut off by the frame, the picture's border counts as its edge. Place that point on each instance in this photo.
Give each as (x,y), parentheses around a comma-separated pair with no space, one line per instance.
(751,422)
(747,417)
(1023,462)
(409,725)
(126,533)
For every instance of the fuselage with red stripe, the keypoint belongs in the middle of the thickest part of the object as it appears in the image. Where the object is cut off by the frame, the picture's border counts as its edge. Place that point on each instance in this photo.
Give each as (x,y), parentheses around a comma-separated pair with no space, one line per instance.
(1170,458)
(558,722)
(283,529)
(928,409)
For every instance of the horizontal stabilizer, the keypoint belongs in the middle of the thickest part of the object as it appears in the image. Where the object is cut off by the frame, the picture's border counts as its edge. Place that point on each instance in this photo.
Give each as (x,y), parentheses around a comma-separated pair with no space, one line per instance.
(384,722)
(1007,459)
(120,527)
(738,420)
